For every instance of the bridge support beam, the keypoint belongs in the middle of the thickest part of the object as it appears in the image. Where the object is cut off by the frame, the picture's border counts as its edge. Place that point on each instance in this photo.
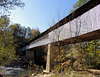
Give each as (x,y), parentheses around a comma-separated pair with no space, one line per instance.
(52,54)
(30,55)
(48,59)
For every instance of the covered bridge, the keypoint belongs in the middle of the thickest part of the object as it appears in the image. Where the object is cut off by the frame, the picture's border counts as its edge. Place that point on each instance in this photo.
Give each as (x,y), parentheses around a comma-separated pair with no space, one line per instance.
(81,25)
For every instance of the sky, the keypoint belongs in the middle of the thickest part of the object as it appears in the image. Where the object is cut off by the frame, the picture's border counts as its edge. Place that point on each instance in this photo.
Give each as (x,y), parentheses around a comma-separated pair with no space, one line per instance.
(40,13)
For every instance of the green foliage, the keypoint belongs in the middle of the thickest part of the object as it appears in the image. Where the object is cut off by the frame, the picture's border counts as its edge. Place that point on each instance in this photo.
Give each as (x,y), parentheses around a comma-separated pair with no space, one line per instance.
(7,46)
(35,33)
(79,4)
(33,69)
(21,36)
(94,53)
(56,69)
(4,22)
(73,74)
(6,5)
(88,54)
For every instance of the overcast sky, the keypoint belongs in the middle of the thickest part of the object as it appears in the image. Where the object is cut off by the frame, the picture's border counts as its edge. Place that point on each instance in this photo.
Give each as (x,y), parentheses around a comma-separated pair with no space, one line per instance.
(40,13)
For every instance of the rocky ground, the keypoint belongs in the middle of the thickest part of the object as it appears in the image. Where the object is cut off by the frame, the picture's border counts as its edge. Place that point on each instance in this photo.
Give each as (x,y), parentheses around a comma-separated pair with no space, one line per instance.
(89,73)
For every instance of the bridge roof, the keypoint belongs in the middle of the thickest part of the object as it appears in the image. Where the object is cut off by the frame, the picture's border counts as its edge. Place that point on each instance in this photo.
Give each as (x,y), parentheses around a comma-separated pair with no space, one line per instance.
(86,7)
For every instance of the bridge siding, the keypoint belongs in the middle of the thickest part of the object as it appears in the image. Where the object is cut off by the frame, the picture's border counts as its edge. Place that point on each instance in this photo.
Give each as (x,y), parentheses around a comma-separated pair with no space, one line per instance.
(87,22)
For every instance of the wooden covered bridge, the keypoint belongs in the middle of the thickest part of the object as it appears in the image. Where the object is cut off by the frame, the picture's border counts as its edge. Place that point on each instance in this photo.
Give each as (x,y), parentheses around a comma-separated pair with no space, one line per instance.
(81,25)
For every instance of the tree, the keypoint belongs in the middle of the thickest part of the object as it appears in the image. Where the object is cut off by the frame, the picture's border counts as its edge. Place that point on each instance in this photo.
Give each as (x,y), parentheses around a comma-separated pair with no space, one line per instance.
(7,46)
(4,22)
(6,5)
(21,36)
(78,4)
(28,35)
(35,33)
(94,53)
